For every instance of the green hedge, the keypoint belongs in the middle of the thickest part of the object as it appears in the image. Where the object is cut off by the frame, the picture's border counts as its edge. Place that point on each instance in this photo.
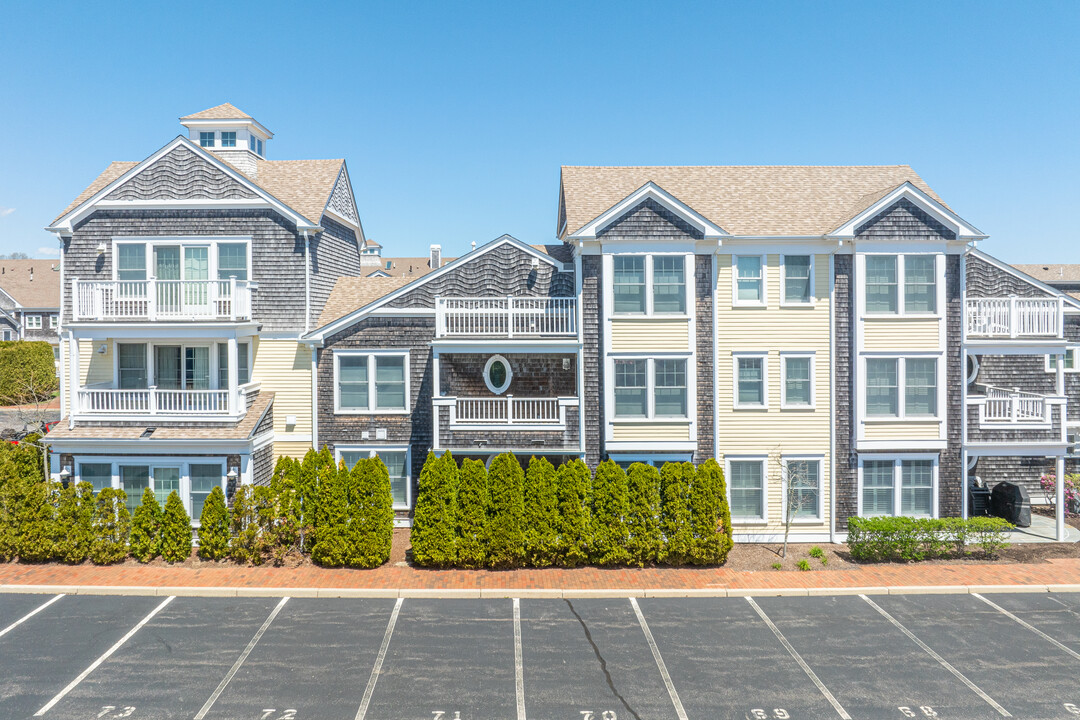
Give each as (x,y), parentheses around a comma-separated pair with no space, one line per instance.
(146,528)
(504,532)
(433,532)
(214,527)
(710,516)
(541,513)
(572,487)
(27,372)
(607,519)
(882,539)
(676,480)
(470,514)
(175,530)
(643,541)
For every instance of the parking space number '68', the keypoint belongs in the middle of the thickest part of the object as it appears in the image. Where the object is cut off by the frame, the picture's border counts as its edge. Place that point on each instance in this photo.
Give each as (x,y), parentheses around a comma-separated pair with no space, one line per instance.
(776,714)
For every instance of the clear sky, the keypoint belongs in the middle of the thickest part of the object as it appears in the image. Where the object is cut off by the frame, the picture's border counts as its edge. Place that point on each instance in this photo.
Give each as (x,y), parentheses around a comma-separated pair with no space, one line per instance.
(454,117)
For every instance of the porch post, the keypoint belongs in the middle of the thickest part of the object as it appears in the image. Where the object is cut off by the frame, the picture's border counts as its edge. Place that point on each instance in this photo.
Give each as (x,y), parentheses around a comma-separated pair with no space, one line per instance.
(234,378)
(1059,490)
(73,378)
(964,511)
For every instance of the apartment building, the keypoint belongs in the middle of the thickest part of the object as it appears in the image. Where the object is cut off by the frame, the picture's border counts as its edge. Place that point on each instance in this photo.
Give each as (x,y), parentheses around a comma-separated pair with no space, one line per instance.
(30,300)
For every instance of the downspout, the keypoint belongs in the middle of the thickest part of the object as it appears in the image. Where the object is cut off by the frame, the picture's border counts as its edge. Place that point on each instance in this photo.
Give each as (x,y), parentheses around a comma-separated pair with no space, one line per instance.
(579,286)
(964,490)
(716,357)
(315,398)
(833,464)
(307,280)
(60,331)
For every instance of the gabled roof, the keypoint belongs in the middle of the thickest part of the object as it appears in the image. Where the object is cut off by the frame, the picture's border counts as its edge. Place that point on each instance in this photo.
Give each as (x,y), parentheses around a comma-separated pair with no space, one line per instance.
(1072,299)
(42,291)
(1052,274)
(782,200)
(224,111)
(350,293)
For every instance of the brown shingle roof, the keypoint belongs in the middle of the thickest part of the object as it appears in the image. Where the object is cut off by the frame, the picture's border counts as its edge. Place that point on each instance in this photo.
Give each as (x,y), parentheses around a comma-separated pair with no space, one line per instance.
(743,200)
(224,111)
(32,283)
(1051,274)
(353,293)
(303,185)
(115,170)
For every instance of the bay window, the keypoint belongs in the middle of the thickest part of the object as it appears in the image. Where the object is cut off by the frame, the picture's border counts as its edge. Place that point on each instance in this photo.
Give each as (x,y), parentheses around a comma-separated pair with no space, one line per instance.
(370,382)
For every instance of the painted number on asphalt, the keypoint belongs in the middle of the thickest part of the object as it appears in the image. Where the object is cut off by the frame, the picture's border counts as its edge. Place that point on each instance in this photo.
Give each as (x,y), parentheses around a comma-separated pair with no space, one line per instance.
(921,711)
(592,715)
(287,714)
(776,714)
(111,711)
(1072,709)
(442,715)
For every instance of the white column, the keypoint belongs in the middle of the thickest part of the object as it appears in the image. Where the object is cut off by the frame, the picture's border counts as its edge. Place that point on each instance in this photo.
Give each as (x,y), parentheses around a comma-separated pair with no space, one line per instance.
(1060,386)
(1059,490)
(965,490)
(234,378)
(73,379)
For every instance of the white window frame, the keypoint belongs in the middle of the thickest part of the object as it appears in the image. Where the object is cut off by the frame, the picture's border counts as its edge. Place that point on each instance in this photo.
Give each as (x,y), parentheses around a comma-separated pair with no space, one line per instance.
(509,374)
(372,410)
(209,241)
(212,138)
(7,334)
(818,518)
(688,286)
(1073,350)
(896,460)
(743,354)
(901,286)
(786,355)
(54,322)
(156,461)
(735,301)
(749,519)
(784,302)
(235,138)
(372,451)
(901,388)
(650,389)
(32,322)
(151,374)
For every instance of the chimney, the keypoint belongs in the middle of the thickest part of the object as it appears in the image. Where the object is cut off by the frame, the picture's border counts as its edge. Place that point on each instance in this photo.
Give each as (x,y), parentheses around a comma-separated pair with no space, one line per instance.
(435,260)
(31,273)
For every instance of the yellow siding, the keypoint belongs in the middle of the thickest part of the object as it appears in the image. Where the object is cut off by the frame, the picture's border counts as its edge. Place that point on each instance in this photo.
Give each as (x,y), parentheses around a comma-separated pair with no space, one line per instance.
(295,450)
(775,497)
(775,431)
(646,432)
(902,431)
(901,334)
(654,335)
(284,368)
(95,368)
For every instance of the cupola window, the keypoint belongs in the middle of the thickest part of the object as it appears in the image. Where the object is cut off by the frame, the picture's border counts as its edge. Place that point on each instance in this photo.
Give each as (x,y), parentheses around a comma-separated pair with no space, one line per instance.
(206,139)
(228,139)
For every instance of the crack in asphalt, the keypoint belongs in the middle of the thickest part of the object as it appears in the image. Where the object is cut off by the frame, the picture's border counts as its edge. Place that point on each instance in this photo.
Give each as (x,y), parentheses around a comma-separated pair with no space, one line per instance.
(603,662)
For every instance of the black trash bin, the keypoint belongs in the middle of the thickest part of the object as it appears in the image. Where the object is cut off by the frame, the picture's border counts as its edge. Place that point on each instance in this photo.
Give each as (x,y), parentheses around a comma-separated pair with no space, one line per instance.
(1011,502)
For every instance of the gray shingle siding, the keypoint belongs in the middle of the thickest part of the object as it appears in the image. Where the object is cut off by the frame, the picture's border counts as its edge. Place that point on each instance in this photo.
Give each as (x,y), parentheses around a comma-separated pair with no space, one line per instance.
(984,280)
(950,475)
(262,465)
(844,383)
(647,220)
(535,375)
(904,220)
(977,434)
(703,329)
(592,342)
(181,175)
(335,253)
(540,442)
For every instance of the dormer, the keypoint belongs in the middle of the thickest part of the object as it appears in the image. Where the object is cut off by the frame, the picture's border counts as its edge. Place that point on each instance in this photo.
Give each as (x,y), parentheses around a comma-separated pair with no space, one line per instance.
(231,134)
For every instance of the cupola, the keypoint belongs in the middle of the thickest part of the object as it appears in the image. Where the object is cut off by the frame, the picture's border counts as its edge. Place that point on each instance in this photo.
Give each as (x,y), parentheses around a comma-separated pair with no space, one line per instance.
(231,134)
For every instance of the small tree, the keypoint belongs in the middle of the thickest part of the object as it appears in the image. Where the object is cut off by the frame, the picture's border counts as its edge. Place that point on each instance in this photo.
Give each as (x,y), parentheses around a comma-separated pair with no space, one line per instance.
(371,523)
(307,474)
(244,545)
(470,514)
(146,527)
(37,521)
(573,481)
(175,530)
(112,526)
(214,526)
(710,515)
(75,518)
(331,522)
(643,542)
(675,482)
(796,479)
(433,535)
(541,513)
(506,538)
(607,528)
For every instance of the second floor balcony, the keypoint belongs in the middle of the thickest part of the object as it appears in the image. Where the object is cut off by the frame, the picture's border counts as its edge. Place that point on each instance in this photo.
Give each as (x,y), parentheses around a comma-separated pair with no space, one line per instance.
(154,403)
(164,300)
(506,317)
(1013,318)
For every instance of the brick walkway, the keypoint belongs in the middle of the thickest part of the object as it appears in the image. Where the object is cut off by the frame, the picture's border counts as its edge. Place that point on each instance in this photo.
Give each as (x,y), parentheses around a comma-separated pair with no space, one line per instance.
(1052,572)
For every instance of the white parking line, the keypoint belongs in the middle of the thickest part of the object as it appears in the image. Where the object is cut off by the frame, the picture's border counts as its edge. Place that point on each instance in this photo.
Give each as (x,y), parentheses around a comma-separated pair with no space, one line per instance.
(798,658)
(379,661)
(1026,624)
(103,658)
(659,661)
(519,667)
(941,661)
(29,615)
(240,660)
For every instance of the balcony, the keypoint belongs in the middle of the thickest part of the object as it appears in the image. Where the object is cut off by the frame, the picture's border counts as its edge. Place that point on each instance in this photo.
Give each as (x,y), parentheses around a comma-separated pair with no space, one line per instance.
(506,317)
(1013,318)
(507,423)
(102,403)
(165,300)
(1006,418)
(1013,406)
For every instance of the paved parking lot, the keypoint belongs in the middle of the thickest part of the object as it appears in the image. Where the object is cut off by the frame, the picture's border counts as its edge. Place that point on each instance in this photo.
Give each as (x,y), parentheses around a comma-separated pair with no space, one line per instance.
(771,658)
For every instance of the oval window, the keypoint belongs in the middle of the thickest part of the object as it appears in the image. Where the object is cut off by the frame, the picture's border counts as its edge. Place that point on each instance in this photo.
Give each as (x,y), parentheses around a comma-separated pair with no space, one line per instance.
(497,374)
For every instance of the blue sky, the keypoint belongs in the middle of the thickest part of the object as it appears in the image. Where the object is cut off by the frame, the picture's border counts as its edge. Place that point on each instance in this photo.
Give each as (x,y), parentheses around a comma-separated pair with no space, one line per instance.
(455,117)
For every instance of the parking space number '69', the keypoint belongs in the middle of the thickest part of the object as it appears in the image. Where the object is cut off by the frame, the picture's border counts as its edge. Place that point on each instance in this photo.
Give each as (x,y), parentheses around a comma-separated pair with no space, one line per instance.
(921,711)
(776,714)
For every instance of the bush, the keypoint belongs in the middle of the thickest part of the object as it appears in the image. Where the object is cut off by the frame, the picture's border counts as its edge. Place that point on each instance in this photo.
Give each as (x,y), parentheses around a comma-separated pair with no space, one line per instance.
(36,519)
(990,534)
(470,514)
(146,528)
(214,527)
(710,516)
(677,520)
(541,513)
(75,518)
(1072,492)
(433,531)
(27,372)
(331,520)
(244,545)
(175,530)
(307,475)
(112,525)
(816,552)
(803,564)
(370,529)
(643,542)
(505,537)
(572,485)
(913,539)
(607,521)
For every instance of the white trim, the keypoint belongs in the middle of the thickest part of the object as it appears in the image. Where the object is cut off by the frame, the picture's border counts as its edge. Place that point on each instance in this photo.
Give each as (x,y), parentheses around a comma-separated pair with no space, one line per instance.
(373,451)
(509,374)
(649,190)
(817,519)
(650,312)
(371,370)
(785,355)
(650,416)
(897,459)
(183,462)
(655,459)
(636,446)
(763,280)
(736,355)
(784,302)
(919,198)
(764,461)
(901,286)
(1073,350)
(211,242)
(901,388)
(913,445)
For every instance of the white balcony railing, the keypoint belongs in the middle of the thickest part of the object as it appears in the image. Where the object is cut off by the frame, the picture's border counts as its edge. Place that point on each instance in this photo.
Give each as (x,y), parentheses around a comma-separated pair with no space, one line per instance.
(1013,406)
(1014,317)
(161,299)
(156,401)
(507,412)
(506,317)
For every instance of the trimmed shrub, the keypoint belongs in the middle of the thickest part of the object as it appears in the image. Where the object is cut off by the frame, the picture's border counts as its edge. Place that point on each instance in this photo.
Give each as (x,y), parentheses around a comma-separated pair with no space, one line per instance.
(214,527)
(912,539)
(433,531)
(244,520)
(541,513)
(112,526)
(371,518)
(677,520)
(27,372)
(607,520)
(505,536)
(307,474)
(470,514)
(175,530)
(146,528)
(990,534)
(331,519)
(572,485)
(643,542)
(710,516)
(36,518)
(75,518)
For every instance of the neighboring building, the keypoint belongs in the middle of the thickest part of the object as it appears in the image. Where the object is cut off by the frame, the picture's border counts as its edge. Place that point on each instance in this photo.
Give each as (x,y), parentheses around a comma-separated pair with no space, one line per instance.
(1060,277)
(30,300)
(188,279)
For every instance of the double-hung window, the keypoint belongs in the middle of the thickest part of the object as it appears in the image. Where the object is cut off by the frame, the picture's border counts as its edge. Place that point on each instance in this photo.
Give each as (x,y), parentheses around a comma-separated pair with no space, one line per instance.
(131,261)
(890,379)
(628,283)
(228,138)
(396,461)
(131,365)
(747,489)
(751,386)
(97,474)
(371,382)
(749,280)
(648,284)
(232,261)
(631,389)
(881,289)
(920,284)
(669,392)
(798,271)
(204,478)
(882,387)
(1070,361)
(669,284)
(243,373)
(883,286)
(803,489)
(33,322)
(798,380)
(206,139)
(664,379)
(898,486)
(54,321)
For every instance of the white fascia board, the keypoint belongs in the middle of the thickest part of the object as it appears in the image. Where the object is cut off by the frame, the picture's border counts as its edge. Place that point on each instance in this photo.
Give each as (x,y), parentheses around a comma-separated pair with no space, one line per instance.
(323,332)
(1021,275)
(1018,450)
(931,206)
(8,296)
(146,447)
(630,446)
(650,190)
(65,224)
(230,122)
(504,345)
(900,446)
(170,204)
(161,331)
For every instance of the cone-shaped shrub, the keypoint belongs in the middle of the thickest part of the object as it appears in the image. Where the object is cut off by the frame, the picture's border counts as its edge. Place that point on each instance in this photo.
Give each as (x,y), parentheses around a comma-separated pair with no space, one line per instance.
(112,525)
(711,517)
(75,518)
(175,530)
(506,538)
(572,484)
(371,523)
(146,528)
(607,521)
(214,527)
(11,494)
(332,516)
(541,513)
(643,541)
(244,519)
(470,514)
(38,530)
(307,500)
(675,524)
(433,534)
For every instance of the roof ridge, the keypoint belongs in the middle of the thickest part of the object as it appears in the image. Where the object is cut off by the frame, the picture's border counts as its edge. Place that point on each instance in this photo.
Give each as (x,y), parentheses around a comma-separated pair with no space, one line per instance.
(679,167)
